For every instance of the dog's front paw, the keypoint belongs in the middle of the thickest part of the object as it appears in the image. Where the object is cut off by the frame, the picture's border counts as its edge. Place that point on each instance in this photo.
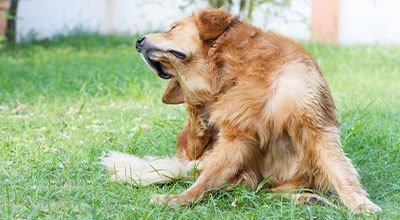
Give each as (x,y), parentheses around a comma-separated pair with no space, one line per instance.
(172,201)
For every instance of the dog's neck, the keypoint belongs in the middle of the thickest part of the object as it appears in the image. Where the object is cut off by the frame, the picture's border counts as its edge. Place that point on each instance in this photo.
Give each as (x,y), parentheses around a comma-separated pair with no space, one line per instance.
(216,69)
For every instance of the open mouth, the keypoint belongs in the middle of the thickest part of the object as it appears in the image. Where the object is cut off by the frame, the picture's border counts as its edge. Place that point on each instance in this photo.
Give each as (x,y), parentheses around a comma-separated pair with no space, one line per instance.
(156,65)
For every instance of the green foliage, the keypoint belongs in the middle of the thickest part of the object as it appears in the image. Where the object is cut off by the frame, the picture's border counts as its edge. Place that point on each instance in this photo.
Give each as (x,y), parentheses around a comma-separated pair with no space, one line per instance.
(64,101)
(2,42)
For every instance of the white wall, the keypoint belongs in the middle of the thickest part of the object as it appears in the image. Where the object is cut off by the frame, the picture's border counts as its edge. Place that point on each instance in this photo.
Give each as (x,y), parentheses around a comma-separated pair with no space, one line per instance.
(360,21)
(293,21)
(45,18)
(132,16)
(369,21)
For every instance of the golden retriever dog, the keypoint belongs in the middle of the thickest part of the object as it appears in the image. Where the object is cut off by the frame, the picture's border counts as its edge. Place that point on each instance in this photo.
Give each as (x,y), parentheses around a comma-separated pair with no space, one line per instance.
(258,108)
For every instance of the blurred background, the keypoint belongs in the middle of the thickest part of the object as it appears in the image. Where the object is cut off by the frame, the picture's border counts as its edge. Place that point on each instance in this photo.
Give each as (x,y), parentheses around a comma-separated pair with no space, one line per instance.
(331,21)
(73,86)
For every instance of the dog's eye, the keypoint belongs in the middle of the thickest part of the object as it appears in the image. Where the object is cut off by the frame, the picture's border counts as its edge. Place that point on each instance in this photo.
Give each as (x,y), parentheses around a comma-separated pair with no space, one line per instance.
(173,27)
(178,54)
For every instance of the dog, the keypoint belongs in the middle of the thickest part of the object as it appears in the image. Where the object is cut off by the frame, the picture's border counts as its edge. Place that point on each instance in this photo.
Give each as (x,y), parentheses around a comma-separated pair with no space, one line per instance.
(257,107)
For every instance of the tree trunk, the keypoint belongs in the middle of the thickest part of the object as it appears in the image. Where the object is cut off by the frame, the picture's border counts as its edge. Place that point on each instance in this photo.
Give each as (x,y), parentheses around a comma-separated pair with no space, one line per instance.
(11,34)
(250,10)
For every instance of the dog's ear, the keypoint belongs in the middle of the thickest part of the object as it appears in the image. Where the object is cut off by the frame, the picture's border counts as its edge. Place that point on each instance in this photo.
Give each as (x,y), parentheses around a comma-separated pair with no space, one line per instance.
(173,94)
(212,23)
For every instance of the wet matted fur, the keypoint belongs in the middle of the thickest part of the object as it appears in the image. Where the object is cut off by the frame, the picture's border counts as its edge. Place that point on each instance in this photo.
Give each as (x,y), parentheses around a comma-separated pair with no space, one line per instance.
(257,106)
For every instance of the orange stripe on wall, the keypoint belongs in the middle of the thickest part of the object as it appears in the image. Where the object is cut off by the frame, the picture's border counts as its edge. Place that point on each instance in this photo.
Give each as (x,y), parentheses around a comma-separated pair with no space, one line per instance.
(325,20)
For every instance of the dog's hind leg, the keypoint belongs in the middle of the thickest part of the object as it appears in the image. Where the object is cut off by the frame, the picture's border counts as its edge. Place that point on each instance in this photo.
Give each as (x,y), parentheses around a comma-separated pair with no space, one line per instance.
(336,171)
(224,163)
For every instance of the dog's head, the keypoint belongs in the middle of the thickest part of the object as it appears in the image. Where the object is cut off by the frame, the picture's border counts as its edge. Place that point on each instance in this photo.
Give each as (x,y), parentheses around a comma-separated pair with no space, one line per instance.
(181,51)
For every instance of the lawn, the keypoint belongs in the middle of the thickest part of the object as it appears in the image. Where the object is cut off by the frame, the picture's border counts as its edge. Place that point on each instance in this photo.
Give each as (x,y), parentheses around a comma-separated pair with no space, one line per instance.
(63,102)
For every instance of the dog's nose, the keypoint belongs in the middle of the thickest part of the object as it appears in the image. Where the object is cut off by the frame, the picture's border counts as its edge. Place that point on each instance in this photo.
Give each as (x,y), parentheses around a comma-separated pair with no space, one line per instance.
(139,43)
(140,40)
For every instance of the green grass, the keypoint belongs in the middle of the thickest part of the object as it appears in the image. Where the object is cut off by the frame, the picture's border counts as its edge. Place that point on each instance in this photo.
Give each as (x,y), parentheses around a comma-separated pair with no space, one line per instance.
(65,101)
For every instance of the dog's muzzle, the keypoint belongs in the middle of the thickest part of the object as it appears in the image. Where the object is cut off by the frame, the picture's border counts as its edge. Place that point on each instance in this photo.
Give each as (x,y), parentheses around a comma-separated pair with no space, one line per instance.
(144,49)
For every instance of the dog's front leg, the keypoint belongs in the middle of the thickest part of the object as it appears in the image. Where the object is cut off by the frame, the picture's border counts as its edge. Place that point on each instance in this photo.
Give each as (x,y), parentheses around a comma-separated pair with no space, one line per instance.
(223,164)
(191,145)
(194,137)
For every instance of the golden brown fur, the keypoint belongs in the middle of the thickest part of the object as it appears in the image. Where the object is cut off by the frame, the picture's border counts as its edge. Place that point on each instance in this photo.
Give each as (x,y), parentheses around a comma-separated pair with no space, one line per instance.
(258,105)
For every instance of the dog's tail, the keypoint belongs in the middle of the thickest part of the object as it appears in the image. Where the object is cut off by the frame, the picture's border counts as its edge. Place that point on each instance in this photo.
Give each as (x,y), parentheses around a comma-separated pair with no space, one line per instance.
(145,171)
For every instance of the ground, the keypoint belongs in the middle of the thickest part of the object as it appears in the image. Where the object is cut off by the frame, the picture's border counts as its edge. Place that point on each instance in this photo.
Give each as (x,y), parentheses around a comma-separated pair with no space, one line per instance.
(64,102)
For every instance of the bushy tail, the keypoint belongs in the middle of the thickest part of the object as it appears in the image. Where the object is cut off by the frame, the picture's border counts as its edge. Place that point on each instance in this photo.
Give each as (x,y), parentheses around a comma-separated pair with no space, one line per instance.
(145,171)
